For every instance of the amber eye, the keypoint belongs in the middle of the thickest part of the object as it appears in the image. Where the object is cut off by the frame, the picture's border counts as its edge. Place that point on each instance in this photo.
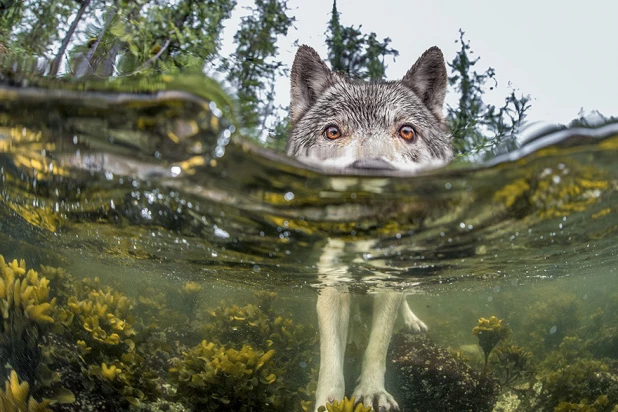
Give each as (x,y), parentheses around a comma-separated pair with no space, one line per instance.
(406,132)
(332,132)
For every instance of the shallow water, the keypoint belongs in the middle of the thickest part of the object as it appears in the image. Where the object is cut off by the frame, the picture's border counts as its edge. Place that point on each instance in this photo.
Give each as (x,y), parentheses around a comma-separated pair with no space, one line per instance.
(157,196)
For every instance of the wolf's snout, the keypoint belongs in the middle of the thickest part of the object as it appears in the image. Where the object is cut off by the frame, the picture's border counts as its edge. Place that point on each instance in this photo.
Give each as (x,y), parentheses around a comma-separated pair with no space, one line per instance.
(372,164)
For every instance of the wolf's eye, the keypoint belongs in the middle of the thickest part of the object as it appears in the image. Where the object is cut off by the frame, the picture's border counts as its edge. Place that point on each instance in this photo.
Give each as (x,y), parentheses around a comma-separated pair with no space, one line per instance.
(406,132)
(332,132)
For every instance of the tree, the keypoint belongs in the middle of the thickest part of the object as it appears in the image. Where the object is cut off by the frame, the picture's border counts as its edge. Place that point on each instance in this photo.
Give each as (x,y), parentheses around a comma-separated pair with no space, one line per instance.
(375,53)
(253,68)
(55,65)
(154,36)
(106,38)
(478,128)
(85,65)
(356,54)
(10,13)
(40,26)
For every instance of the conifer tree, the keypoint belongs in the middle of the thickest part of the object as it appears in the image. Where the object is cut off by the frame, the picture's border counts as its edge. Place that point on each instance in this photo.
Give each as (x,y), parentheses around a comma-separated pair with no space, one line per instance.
(253,68)
(356,54)
(480,129)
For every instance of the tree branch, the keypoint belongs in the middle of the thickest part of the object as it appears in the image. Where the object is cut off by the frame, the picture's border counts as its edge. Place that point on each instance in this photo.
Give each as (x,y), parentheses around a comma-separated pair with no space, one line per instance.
(85,65)
(55,65)
(154,58)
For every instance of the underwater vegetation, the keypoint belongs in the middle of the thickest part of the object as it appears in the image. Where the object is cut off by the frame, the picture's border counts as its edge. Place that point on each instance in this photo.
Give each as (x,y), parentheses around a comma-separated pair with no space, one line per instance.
(70,344)
(512,364)
(26,307)
(426,377)
(490,332)
(563,372)
(254,350)
(599,404)
(568,188)
(345,405)
(215,378)
(79,345)
(550,320)
(15,397)
(65,337)
(580,382)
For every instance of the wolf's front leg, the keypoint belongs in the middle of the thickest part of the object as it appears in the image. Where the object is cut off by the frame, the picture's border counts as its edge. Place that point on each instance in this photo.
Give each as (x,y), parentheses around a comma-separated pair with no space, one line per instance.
(333,320)
(370,389)
(412,322)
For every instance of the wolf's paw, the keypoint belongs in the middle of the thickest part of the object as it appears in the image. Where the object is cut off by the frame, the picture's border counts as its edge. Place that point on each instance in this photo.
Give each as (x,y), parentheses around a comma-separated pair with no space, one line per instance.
(328,391)
(415,325)
(412,322)
(371,394)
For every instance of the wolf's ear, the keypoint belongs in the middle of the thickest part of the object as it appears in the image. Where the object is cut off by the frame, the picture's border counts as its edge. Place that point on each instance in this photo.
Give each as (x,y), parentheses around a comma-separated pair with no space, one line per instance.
(427,78)
(310,77)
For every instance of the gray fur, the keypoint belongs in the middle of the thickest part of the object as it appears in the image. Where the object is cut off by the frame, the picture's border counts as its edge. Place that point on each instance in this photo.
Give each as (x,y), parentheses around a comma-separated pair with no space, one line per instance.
(369,115)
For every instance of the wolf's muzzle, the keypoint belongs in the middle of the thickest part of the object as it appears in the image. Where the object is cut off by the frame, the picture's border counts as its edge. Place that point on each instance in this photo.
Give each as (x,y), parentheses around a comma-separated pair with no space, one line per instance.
(378,164)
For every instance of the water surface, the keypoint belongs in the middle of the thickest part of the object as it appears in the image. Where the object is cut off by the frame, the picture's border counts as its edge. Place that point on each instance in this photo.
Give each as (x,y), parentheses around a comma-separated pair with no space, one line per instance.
(157,196)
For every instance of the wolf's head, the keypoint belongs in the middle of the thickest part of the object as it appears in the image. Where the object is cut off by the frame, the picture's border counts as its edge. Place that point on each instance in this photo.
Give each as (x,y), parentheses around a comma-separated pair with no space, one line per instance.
(346,124)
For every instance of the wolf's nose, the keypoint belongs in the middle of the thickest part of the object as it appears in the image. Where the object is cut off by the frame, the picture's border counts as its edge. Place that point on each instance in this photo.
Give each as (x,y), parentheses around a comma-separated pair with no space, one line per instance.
(372,164)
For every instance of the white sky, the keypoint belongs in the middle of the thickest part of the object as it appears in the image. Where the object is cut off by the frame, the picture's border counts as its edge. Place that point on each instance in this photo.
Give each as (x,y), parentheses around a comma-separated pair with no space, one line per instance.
(563,53)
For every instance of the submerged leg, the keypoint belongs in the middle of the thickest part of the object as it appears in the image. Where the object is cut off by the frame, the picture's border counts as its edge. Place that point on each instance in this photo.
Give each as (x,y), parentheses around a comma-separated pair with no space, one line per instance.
(413,323)
(370,389)
(333,319)
(333,309)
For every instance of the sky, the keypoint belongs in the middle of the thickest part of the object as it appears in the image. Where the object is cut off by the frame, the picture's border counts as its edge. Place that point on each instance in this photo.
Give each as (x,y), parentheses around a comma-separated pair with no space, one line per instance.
(564,54)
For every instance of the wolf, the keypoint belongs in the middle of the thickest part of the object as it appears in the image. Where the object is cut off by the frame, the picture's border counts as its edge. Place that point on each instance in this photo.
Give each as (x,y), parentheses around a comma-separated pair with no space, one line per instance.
(340,124)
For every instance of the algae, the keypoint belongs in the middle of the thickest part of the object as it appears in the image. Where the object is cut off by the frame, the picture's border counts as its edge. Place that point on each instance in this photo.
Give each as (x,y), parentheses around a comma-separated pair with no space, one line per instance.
(78,344)
(345,405)
(490,332)
(16,398)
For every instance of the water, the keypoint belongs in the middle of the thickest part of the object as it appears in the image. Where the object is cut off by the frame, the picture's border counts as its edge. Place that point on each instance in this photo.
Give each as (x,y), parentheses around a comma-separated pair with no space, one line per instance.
(157,198)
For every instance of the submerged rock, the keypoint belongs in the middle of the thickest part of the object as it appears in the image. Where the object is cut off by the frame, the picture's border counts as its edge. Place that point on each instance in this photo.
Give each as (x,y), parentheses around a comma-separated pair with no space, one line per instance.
(426,377)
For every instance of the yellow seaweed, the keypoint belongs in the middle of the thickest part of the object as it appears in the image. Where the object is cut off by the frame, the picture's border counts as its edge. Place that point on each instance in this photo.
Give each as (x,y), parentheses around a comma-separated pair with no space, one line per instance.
(15,397)
(345,405)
